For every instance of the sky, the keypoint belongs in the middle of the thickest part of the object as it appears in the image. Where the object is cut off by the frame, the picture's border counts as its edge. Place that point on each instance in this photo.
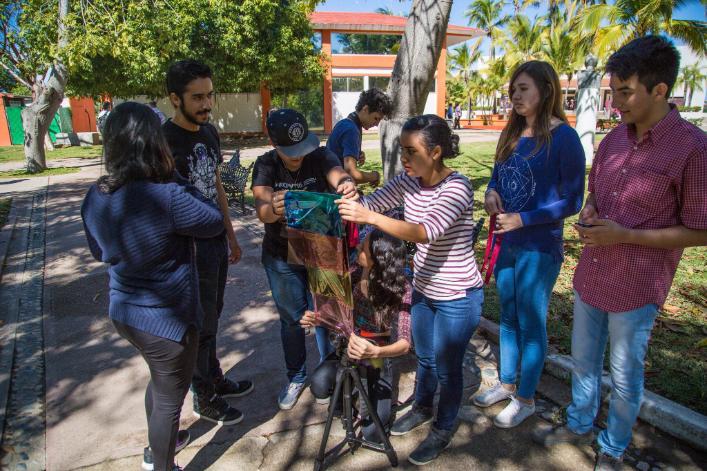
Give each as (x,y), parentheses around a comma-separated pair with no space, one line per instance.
(692,10)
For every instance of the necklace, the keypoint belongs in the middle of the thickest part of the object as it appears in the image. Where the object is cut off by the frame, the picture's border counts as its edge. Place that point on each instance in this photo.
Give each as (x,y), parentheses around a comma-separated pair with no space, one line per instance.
(294,181)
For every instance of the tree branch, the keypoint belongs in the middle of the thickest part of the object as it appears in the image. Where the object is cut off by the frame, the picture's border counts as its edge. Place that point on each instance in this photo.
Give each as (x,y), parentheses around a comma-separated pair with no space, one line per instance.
(15,75)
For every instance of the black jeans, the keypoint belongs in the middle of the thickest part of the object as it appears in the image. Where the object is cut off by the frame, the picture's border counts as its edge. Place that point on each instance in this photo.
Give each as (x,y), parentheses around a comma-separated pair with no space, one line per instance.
(377,381)
(212,265)
(171,367)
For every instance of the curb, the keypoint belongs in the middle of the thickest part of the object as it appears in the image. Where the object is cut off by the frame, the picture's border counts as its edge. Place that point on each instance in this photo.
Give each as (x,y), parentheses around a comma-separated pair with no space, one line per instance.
(6,234)
(677,420)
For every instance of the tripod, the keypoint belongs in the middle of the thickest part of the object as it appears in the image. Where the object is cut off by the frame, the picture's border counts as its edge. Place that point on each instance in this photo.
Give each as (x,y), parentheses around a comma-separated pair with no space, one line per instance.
(347,376)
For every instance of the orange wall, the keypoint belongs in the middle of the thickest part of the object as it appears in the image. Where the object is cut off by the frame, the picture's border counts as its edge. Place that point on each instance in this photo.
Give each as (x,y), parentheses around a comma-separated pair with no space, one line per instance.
(265,106)
(83,114)
(328,89)
(362,61)
(441,80)
(4,125)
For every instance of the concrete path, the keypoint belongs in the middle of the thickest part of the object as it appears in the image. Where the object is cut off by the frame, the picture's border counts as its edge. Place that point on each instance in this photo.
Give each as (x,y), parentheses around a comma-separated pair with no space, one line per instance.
(94,381)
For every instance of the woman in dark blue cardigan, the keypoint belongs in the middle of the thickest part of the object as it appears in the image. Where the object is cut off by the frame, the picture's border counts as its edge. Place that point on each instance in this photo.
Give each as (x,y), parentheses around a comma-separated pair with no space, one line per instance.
(142,221)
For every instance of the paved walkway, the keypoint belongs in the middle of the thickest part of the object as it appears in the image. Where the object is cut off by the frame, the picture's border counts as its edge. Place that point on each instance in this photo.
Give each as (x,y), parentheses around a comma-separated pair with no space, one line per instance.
(76,393)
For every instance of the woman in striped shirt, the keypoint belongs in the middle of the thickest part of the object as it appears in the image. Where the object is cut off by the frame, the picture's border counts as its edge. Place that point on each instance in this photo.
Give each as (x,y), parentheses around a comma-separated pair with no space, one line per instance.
(447,296)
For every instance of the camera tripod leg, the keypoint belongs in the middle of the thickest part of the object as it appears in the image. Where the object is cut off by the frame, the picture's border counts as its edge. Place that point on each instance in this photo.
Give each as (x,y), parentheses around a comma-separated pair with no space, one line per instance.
(319,460)
(389,451)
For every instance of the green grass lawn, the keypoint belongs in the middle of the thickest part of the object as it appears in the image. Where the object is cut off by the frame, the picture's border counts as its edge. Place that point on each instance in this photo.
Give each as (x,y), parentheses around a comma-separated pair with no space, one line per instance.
(22,173)
(16,153)
(5,204)
(676,367)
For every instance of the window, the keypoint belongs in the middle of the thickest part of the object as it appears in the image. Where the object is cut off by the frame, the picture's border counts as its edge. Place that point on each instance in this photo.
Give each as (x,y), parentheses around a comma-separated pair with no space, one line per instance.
(316,40)
(347,84)
(378,82)
(352,43)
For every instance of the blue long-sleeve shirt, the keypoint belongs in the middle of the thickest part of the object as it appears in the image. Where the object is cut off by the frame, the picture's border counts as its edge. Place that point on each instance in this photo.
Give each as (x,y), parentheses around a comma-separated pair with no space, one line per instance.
(146,231)
(544,187)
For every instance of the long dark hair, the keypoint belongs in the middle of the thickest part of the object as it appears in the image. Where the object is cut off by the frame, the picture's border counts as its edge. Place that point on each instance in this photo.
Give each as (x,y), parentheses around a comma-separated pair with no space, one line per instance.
(134,147)
(548,83)
(387,283)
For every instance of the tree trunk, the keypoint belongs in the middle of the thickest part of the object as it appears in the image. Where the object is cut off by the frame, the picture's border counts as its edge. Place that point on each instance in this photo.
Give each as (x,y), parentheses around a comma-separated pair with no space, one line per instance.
(47,97)
(413,73)
(37,117)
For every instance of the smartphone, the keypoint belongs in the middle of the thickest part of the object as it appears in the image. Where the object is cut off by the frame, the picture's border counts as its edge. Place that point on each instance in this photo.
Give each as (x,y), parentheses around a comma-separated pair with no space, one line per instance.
(584,224)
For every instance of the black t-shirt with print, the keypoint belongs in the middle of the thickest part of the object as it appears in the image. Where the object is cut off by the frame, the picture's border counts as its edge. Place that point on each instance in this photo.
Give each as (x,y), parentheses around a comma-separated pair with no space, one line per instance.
(311,176)
(196,154)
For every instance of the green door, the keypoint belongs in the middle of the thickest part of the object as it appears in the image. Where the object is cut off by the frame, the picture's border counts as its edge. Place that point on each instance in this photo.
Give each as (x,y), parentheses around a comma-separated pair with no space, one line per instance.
(14,121)
(54,127)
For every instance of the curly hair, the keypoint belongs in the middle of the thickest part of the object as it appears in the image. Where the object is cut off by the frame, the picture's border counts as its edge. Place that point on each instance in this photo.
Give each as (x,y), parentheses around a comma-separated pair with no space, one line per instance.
(134,148)
(387,283)
(376,100)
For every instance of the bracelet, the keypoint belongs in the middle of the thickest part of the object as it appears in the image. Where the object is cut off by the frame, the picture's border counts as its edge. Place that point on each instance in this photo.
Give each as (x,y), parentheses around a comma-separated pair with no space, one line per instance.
(344,180)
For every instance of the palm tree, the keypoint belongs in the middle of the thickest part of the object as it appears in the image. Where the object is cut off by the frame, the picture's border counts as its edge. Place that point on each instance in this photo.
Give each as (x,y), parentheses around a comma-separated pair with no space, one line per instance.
(461,61)
(487,15)
(523,41)
(691,78)
(624,20)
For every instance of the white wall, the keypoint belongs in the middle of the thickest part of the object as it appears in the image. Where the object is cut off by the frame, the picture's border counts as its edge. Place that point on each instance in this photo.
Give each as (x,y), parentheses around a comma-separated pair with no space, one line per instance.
(344,103)
(231,112)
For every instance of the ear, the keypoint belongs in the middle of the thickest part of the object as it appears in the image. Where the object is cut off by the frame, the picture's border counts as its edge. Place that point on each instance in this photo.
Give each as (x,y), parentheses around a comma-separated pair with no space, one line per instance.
(174,99)
(436,153)
(660,91)
(365,109)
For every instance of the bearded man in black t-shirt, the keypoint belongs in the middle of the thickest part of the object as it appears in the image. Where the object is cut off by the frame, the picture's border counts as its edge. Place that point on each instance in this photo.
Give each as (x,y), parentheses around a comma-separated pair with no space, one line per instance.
(296,163)
(196,149)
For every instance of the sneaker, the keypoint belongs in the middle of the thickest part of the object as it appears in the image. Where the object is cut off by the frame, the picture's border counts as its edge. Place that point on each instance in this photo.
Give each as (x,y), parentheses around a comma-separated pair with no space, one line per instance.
(218,411)
(514,413)
(417,416)
(148,463)
(227,388)
(289,396)
(606,462)
(547,435)
(492,395)
(431,447)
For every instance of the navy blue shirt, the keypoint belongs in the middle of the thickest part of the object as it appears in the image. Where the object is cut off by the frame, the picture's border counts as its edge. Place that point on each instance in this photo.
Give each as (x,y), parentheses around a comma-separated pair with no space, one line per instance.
(544,187)
(346,137)
(146,231)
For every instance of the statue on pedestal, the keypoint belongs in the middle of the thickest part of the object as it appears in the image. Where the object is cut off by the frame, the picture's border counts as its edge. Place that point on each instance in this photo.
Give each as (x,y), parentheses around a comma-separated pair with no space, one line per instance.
(588,83)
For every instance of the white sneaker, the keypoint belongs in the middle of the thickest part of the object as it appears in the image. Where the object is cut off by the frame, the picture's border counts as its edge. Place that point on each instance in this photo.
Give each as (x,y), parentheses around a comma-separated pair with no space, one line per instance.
(491,396)
(289,395)
(514,413)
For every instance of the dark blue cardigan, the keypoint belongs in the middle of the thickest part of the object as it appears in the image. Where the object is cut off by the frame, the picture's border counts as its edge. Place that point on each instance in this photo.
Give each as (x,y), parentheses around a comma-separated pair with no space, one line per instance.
(145,232)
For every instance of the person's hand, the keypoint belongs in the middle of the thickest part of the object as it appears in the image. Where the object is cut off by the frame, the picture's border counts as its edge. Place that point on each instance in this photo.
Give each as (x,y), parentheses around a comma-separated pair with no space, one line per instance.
(603,232)
(492,203)
(347,189)
(278,203)
(361,349)
(354,211)
(235,254)
(507,222)
(377,181)
(588,214)
(361,158)
(308,320)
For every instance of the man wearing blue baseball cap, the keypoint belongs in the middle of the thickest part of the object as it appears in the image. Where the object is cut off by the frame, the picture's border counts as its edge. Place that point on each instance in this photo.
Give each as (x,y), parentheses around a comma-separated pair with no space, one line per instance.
(297,162)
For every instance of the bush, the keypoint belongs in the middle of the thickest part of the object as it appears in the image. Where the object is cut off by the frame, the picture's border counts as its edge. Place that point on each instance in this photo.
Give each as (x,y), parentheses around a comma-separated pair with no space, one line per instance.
(688,109)
(696,121)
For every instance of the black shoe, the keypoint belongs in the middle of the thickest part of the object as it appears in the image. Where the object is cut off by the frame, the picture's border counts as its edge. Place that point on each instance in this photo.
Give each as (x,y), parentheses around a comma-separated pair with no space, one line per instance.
(148,463)
(431,447)
(417,416)
(218,411)
(227,388)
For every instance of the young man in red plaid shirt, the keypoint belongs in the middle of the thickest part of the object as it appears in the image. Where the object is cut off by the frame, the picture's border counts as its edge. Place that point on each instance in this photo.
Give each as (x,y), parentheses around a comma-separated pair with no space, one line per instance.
(647,201)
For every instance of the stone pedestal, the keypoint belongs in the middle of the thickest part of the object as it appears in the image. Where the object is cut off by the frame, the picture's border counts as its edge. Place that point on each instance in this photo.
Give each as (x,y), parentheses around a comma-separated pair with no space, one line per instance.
(588,81)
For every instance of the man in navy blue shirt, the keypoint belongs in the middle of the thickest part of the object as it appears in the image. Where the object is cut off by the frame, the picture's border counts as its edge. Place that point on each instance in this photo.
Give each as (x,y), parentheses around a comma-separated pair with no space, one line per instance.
(196,149)
(347,136)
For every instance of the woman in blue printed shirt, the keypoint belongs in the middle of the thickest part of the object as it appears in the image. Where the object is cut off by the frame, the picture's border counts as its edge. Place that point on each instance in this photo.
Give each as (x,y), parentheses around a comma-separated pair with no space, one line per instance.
(537,181)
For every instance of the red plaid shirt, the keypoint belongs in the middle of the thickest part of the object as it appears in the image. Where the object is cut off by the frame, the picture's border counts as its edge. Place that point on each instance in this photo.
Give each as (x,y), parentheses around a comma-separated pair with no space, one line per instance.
(659,182)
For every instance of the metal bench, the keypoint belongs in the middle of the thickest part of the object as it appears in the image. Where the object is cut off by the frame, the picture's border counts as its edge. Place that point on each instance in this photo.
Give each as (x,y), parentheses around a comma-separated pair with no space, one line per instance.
(234,178)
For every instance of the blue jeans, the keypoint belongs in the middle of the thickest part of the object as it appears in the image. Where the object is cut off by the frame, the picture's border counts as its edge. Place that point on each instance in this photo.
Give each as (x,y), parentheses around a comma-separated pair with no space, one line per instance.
(290,292)
(524,281)
(628,334)
(441,331)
